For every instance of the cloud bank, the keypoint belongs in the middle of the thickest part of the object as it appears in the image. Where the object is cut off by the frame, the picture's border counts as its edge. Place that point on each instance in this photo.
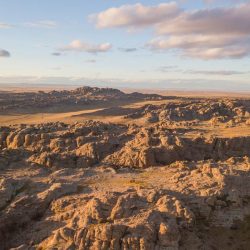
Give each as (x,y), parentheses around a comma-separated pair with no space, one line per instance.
(175,84)
(210,33)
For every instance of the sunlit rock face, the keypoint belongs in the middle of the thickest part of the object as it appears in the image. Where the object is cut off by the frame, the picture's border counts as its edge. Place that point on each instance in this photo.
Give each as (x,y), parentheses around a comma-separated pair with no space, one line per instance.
(170,175)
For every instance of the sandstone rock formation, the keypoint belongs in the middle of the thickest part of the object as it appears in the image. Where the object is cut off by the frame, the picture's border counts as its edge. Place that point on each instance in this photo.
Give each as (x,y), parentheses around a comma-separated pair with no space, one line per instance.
(171,176)
(84,96)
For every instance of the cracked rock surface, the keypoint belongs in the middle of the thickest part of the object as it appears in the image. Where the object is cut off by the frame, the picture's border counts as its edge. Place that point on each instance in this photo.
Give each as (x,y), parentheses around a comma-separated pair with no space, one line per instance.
(168,176)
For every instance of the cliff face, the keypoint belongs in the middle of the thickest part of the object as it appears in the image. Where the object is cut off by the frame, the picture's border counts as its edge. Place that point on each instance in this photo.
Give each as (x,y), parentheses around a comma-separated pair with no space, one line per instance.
(171,176)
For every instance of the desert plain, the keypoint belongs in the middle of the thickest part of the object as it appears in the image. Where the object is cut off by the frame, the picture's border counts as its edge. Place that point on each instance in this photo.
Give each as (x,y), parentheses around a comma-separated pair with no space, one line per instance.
(100,168)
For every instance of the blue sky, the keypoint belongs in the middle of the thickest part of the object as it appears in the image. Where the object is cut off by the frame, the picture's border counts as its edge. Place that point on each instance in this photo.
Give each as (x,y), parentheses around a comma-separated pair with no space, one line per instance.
(135,44)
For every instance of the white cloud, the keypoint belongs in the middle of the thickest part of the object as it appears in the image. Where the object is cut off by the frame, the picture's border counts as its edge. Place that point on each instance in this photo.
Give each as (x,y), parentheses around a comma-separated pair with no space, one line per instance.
(80,46)
(209,33)
(234,20)
(42,24)
(204,46)
(49,24)
(4,53)
(5,25)
(135,16)
(218,53)
(193,41)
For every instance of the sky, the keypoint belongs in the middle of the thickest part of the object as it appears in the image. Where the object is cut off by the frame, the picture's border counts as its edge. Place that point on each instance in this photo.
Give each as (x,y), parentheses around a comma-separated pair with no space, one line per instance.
(192,45)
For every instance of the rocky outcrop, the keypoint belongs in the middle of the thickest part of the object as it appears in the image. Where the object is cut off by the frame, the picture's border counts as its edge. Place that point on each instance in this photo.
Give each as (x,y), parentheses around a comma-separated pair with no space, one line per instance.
(219,111)
(158,148)
(175,178)
(25,208)
(84,96)
(121,221)
(92,143)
